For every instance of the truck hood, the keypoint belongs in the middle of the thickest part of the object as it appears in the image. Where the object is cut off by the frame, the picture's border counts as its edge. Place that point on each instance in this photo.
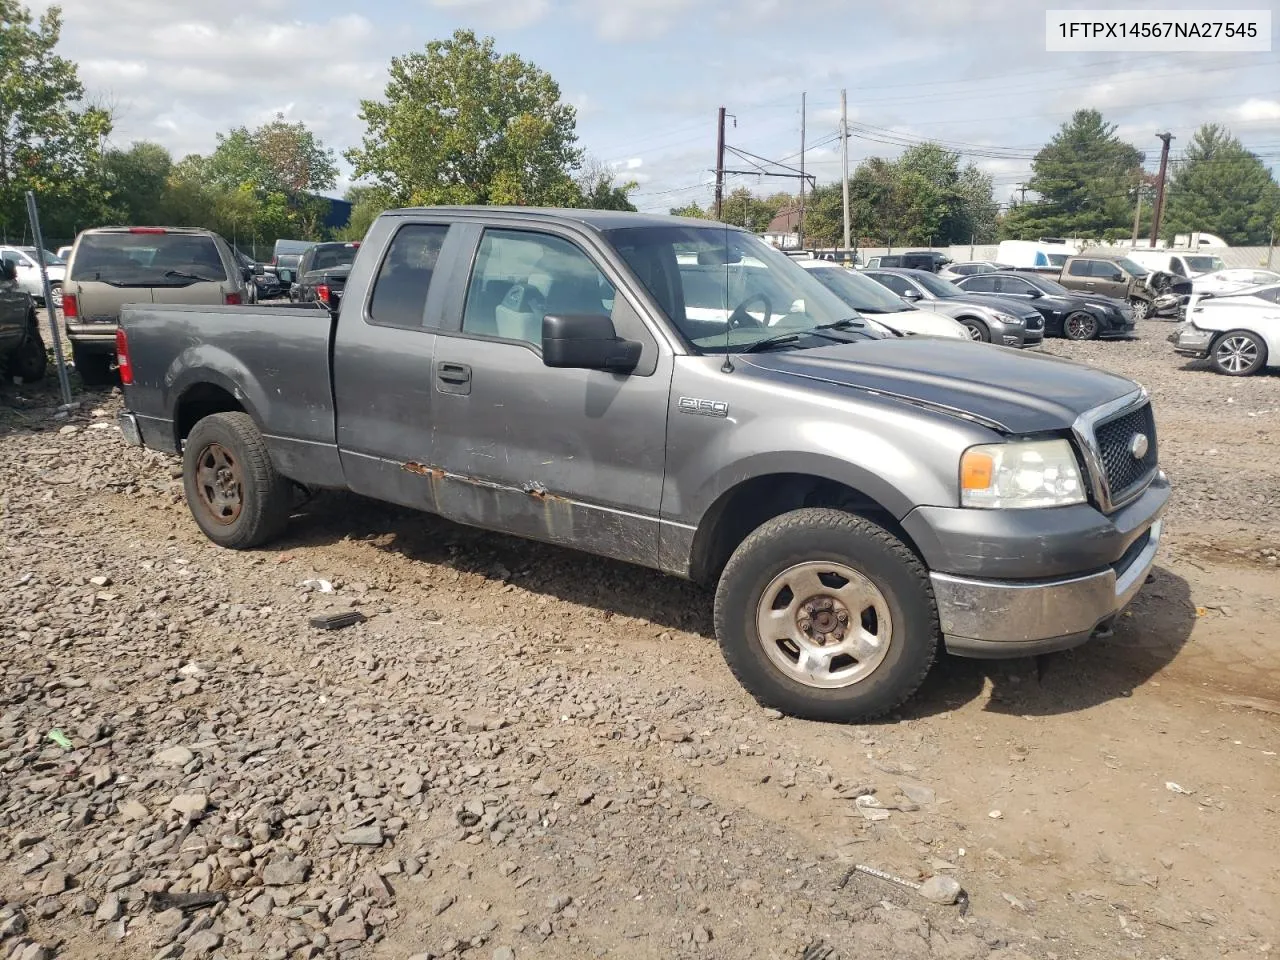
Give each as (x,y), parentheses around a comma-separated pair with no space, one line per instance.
(1011,390)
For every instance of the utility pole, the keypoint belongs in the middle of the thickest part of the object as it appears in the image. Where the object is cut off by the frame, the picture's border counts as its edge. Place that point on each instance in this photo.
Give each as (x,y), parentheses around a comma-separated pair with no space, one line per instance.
(1022,192)
(800,222)
(1137,218)
(719,161)
(1271,247)
(844,163)
(1158,211)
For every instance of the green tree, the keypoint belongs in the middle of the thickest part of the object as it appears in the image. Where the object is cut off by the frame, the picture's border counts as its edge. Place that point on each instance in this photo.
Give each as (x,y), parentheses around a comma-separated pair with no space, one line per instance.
(691,209)
(600,189)
(277,157)
(366,203)
(136,180)
(1085,177)
(742,208)
(49,138)
(460,124)
(1220,187)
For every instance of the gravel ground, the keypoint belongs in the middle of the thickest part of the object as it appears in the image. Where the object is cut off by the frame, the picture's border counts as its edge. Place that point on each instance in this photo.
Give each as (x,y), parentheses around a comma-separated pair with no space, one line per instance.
(525,752)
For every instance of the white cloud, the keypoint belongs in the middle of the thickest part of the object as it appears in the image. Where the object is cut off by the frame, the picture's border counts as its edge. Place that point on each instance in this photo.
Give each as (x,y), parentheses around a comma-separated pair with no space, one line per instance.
(1255,109)
(498,13)
(632,19)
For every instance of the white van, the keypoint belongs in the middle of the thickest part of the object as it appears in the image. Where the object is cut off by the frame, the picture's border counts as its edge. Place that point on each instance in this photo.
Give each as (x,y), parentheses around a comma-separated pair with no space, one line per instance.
(1180,263)
(1035,254)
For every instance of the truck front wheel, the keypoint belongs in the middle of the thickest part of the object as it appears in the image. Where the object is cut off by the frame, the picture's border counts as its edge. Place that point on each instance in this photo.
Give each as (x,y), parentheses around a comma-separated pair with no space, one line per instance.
(826,615)
(233,490)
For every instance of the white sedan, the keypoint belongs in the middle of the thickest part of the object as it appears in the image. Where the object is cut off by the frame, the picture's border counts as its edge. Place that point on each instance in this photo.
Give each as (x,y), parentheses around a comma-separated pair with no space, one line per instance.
(878,304)
(1233,280)
(1239,334)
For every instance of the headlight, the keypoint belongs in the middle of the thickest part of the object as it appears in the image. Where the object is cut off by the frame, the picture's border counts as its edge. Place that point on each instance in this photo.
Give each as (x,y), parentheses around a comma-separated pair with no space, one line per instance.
(1035,473)
(1006,317)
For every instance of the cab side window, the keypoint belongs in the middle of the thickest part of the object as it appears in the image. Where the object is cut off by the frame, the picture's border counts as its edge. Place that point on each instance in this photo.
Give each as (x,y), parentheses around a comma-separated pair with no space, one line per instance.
(400,290)
(519,277)
(980,284)
(898,285)
(1081,268)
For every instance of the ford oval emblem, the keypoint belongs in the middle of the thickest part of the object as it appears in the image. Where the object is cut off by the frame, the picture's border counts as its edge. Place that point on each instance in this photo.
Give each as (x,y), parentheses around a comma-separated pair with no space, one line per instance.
(1139,446)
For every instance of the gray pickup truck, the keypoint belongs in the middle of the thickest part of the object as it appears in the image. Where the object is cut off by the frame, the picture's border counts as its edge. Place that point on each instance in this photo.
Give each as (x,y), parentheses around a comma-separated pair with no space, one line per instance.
(858,501)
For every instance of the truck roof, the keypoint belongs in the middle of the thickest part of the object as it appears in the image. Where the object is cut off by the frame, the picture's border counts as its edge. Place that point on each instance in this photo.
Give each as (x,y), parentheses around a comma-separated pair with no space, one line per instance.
(597,219)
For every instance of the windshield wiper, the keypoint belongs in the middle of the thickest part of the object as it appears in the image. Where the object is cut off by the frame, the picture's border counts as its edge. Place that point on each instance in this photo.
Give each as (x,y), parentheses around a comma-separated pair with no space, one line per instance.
(777,340)
(848,323)
(179,275)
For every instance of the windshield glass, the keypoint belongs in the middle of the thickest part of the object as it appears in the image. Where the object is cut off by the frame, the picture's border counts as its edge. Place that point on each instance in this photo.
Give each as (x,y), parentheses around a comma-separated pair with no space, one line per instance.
(943,289)
(148,259)
(1057,259)
(1047,285)
(329,257)
(724,289)
(859,292)
(1132,267)
(1205,264)
(51,259)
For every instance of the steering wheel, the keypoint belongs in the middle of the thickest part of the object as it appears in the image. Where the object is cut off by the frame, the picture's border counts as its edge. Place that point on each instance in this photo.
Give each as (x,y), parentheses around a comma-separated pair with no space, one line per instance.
(740,317)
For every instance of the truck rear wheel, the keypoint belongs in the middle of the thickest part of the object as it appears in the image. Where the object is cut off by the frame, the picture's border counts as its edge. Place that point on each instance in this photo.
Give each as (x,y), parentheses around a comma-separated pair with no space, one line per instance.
(233,490)
(826,615)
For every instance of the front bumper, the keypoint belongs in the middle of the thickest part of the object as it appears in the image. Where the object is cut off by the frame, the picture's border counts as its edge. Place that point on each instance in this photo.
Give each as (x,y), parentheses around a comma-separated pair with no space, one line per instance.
(1000,618)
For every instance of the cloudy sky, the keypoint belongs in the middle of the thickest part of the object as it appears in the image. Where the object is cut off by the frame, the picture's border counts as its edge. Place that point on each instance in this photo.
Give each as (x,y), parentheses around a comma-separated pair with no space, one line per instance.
(648,75)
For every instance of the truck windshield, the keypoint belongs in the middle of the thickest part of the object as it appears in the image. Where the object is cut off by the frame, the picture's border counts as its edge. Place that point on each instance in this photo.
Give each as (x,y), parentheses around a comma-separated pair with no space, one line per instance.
(148,259)
(1205,264)
(1132,267)
(726,290)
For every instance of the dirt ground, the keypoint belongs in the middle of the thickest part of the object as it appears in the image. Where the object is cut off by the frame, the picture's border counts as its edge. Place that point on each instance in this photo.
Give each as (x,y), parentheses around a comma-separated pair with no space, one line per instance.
(558,761)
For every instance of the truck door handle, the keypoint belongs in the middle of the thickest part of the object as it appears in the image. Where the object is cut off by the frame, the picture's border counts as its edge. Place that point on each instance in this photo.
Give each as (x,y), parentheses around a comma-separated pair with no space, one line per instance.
(454,372)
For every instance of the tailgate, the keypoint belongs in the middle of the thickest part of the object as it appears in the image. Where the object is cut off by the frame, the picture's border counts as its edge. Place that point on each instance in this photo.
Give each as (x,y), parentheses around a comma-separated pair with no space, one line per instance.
(100,302)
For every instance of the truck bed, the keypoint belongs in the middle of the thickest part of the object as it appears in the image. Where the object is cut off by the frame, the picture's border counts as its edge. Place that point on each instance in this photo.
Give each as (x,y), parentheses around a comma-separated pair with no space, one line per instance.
(273,360)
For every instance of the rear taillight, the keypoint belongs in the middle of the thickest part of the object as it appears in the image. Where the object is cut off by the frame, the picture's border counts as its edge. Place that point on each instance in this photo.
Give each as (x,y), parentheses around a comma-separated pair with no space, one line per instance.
(70,307)
(322,293)
(122,357)
(233,300)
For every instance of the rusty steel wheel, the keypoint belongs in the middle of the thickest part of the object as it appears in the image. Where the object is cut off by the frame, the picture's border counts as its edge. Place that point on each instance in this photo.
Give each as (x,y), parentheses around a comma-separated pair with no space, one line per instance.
(220,484)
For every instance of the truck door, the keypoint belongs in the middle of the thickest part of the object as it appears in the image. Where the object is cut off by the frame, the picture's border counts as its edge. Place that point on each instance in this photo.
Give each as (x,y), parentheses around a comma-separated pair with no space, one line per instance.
(563,455)
(382,380)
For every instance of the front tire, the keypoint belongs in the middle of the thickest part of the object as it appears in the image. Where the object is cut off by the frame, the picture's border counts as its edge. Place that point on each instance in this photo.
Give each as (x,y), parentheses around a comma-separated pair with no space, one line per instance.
(826,615)
(1141,308)
(94,368)
(977,330)
(234,492)
(1238,353)
(1080,325)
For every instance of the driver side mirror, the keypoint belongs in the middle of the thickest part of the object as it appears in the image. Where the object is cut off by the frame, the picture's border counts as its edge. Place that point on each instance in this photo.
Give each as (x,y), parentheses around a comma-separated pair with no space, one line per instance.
(1035,293)
(911,293)
(587,342)
(248,272)
(9,271)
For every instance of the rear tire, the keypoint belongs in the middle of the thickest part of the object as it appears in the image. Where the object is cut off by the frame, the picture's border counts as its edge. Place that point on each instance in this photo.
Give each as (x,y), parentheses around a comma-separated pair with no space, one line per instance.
(1141,308)
(235,494)
(1238,353)
(94,368)
(30,362)
(850,627)
(977,330)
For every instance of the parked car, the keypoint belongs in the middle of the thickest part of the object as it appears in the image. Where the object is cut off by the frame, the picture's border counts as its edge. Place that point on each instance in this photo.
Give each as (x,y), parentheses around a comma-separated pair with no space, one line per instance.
(930,260)
(1179,263)
(286,257)
(261,283)
(63,253)
(27,270)
(1238,333)
(858,501)
(1120,279)
(1009,322)
(1067,313)
(968,268)
(873,301)
(1039,255)
(112,266)
(323,272)
(22,351)
(1232,281)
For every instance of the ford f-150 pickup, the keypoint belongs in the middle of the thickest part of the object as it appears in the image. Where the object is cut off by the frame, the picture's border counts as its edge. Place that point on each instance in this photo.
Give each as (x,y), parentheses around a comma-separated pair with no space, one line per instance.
(859,502)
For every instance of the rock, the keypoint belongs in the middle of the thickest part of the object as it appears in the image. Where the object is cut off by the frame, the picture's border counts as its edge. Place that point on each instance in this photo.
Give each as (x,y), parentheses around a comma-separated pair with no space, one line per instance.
(109,910)
(190,805)
(558,902)
(917,793)
(944,890)
(173,757)
(55,882)
(86,905)
(442,904)
(701,935)
(36,951)
(749,887)
(100,581)
(202,944)
(411,786)
(504,953)
(348,927)
(362,836)
(121,880)
(285,871)
(771,714)
(585,796)
(131,809)
(508,867)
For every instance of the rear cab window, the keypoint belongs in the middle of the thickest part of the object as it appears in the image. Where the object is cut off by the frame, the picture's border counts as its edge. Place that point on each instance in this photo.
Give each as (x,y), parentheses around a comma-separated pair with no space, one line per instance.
(148,259)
